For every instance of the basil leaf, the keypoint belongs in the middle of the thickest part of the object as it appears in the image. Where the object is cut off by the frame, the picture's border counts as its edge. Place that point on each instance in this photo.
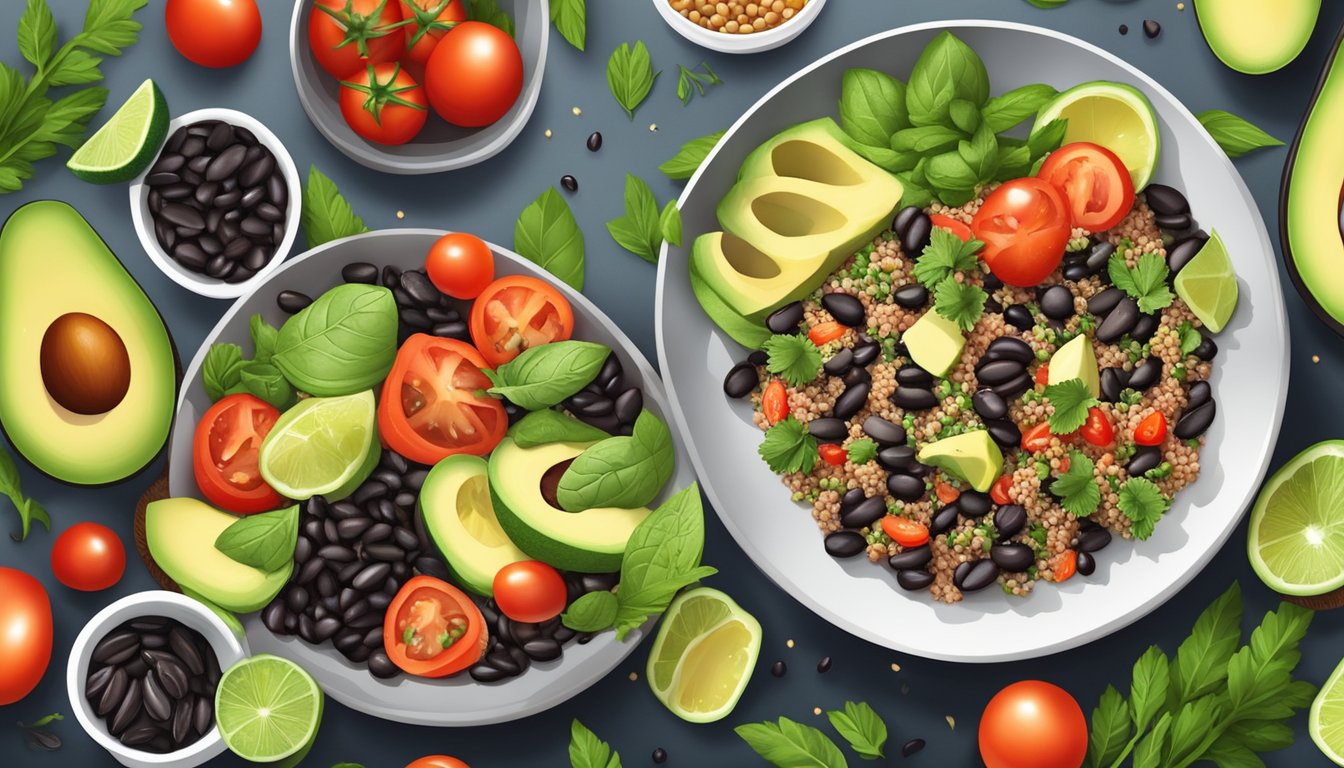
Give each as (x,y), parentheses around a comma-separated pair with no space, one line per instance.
(592,612)
(1148,688)
(588,751)
(638,231)
(1234,134)
(544,376)
(1008,109)
(547,235)
(661,557)
(1014,161)
(872,106)
(265,381)
(489,12)
(684,164)
(926,140)
(964,115)
(1048,138)
(914,193)
(343,343)
(570,18)
(630,76)
(265,541)
(670,223)
(791,745)
(545,427)
(861,727)
(264,336)
(947,69)
(221,370)
(981,153)
(625,472)
(1047,4)
(952,178)
(325,215)
(885,158)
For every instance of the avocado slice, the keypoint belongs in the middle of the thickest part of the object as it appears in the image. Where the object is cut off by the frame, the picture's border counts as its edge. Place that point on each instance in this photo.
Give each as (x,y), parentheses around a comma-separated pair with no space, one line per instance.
(89,370)
(181,533)
(460,518)
(591,541)
(935,343)
(971,456)
(749,334)
(1076,360)
(1257,36)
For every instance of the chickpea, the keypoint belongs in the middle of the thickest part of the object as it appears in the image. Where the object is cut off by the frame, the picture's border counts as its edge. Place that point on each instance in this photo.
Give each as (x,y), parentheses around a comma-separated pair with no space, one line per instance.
(771,19)
(721,9)
(759,24)
(753,10)
(716,21)
(731,26)
(741,17)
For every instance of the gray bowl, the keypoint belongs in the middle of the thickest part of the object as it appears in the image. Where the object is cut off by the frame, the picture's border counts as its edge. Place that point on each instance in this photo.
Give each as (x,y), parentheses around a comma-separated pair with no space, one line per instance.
(440,146)
(458,700)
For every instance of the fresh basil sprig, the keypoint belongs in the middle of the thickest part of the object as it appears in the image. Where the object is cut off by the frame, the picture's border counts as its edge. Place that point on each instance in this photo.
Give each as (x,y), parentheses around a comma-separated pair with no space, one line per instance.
(11,488)
(342,343)
(1235,135)
(326,215)
(643,229)
(625,472)
(690,82)
(570,18)
(630,75)
(547,235)
(265,541)
(546,427)
(586,750)
(684,164)
(542,377)
(785,743)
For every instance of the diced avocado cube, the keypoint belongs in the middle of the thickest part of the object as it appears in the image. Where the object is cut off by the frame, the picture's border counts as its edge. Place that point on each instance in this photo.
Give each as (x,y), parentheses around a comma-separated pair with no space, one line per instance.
(935,343)
(971,456)
(1076,360)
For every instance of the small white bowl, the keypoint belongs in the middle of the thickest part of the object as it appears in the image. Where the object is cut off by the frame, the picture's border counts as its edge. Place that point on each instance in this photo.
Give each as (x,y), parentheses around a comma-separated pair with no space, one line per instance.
(731,43)
(229,650)
(194,281)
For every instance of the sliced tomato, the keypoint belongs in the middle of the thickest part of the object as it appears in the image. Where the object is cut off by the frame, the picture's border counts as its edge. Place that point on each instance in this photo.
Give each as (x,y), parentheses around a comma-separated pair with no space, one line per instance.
(224,454)
(999,492)
(1065,565)
(955,226)
(833,454)
(945,492)
(1025,227)
(907,533)
(1097,430)
(775,402)
(1152,430)
(516,313)
(1037,438)
(434,403)
(822,334)
(1096,183)
(432,629)
(1043,374)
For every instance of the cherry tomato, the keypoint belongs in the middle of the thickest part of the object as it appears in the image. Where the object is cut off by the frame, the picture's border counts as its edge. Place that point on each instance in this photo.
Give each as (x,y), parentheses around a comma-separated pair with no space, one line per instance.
(1043,374)
(461,265)
(1032,724)
(516,313)
(907,533)
(224,454)
(955,226)
(433,403)
(88,557)
(25,634)
(213,33)
(1152,430)
(529,591)
(346,35)
(429,21)
(382,103)
(775,402)
(1097,184)
(432,629)
(825,333)
(1025,227)
(946,493)
(474,75)
(437,761)
(1066,566)
(833,454)
(1037,438)
(1097,430)
(998,492)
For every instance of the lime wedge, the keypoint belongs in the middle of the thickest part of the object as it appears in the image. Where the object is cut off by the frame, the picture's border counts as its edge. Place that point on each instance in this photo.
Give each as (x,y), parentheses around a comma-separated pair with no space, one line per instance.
(1114,115)
(1296,540)
(126,144)
(1326,721)
(702,659)
(323,446)
(1209,285)
(268,708)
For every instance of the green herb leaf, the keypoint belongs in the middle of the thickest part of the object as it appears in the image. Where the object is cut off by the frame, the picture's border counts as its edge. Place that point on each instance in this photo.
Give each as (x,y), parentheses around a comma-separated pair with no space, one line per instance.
(546,426)
(221,371)
(37,33)
(1047,138)
(1235,135)
(625,472)
(1148,690)
(347,765)
(28,509)
(1080,495)
(947,69)
(1071,399)
(981,153)
(1143,503)
(965,116)
(264,541)
(264,337)
(588,751)
(944,256)
(79,67)
(325,214)
(789,448)
(1190,734)
(543,376)
(669,222)
(265,381)
(691,82)
(489,12)
(1009,109)
(952,178)
(1190,338)
(547,235)
(630,76)
(684,164)
(1110,729)
(1014,161)
(1145,282)
(787,744)
(872,106)
(862,451)
(342,343)
(592,612)
(46,720)
(639,231)
(926,139)
(861,727)
(1200,666)
(1047,4)
(793,357)
(916,193)
(661,557)
(962,303)
(1148,754)
(1259,672)
(570,18)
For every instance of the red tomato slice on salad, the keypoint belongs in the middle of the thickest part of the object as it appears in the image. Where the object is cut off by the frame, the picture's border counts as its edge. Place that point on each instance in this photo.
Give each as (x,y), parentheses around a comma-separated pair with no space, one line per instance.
(1099,188)
(1025,227)
(434,405)
(224,454)
(432,629)
(516,313)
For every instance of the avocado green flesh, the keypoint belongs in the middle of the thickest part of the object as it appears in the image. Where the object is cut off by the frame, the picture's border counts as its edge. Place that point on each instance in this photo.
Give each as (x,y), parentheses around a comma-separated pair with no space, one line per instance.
(935,343)
(749,334)
(1076,360)
(460,517)
(971,456)
(1257,36)
(52,263)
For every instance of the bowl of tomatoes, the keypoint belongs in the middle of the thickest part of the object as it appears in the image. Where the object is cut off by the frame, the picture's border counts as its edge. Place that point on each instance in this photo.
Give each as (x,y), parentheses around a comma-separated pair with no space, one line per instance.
(419,86)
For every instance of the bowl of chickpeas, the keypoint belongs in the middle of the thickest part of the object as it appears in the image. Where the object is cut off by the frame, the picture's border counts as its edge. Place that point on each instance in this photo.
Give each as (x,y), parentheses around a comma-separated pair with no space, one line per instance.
(739,26)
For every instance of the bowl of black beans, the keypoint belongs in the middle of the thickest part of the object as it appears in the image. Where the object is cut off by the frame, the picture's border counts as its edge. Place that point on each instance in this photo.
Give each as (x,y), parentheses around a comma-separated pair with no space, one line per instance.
(218,210)
(142,677)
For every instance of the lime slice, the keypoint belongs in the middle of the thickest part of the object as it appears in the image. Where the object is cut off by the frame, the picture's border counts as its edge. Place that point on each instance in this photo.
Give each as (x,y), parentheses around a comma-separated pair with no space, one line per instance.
(704,654)
(1326,721)
(1296,541)
(323,446)
(1209,285)
(126,144)
(268,708)
(1114,115)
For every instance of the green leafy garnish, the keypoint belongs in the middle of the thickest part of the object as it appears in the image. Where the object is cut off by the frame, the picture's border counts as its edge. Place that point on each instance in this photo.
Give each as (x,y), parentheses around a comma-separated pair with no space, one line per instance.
(1145,282)
(630,75)
(1071,399)
(684,164)
(944,256)
(640,230)
(1077,488)
(962,303)
(326,215)
(690,82)
(872,107)
(547,235)
(265,541)
(592,612)
(1234,134)
(786,743)
(1190,338)
(862,451)
(861,727)
(1143,503)
(221,371)
(11,488)
(789,448)
(342,343)
(1009,109)
(586,750)
(547,426)
(570,18)
(1047,4)
(626,472)
(793,357)
(542,377)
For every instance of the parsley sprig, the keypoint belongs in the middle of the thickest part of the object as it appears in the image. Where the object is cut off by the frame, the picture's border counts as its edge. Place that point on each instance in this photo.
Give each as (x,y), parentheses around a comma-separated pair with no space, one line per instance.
(789,448)
(862,451)
(786,743)
(1077,488)
(944,256)
(1071,399)
(793,357)
(1143,503)
(691,81)
(1145,282)
(962,303)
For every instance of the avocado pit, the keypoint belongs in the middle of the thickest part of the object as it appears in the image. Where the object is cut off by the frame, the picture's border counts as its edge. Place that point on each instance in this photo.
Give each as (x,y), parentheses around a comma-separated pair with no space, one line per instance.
(550,483)
(84,363)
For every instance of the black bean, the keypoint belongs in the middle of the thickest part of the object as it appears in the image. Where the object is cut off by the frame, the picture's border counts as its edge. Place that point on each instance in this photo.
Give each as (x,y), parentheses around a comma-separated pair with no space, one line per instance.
(204,716)
(353,528)
(293,301)
(415,479)
(390,553)
(896,457)
(828,429)
(1099,257)
(1145,328)
(1019,317)
(1196,421)
(1009,348)
(865,354)
(1057,302)
(1206,350)
(360,272)
(785,319)
(914,581)
(913,376)
(569,182)
(484,673)
(911,747)
(779,669)
(268,212)
(864,514)
(845,544)
(380,666)
(162,178)
(368,492)
(542,649)
(824,665)
(181,726)
(417,285)
(371,576)
(139,735)
(857,375)
(1102,303)
(1012,557)
(193,146)
(257,171)
(997,372)
(1119,321)
(226,163)
(1086,564)
(1151,28)
(344,510)
(1144,459)
(916,236)
(913,296)
(116,648)
(1010,520)
(1180,253)
(128,709)
(945,519)
(1145,374)
(989,405)
(250,199)
(1165,200)
(980,575)
(594,141)
(884,432)
(156,701)
(273,616)
(914,399)
(1113,382)
(1178,222)
(629,404)
(172,676)
(838,365)
(852,498)
(588,404)
(847,310)
(1093,540)
(851,401)
(1198,394)
(905,487)
(97,683)
(901,222)
(182,216)
(912,558)
(377,532)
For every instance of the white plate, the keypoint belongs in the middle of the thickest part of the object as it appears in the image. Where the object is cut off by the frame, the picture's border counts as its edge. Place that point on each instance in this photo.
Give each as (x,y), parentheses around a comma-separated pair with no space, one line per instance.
(1250,382)
(459,700)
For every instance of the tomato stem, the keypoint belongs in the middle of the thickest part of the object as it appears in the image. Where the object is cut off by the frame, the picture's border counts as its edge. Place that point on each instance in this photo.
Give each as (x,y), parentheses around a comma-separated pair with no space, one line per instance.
(380,94)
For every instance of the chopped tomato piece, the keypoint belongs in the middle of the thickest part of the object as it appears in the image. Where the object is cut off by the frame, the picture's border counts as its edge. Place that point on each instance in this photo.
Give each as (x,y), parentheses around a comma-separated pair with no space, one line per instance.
(1066,565)
(516,313)
(833,454)
(958,228)
(946,493)
(825,333)
(1152,430)
(434,403)
(432,629)
(1037,438)
(1097,430)
(998,492)
(1098,186)
(1043,374)
(775,402)
(907,533)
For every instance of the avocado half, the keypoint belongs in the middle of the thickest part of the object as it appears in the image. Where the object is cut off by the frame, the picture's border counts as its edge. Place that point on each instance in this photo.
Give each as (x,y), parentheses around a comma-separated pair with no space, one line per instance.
(1309,198)
(1257,36)
(54,266)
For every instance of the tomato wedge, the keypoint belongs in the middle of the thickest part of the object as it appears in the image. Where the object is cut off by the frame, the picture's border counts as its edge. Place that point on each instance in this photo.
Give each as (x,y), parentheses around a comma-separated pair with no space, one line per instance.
(1099,188)
(434,405)
(224,454)
(1152,430)
(907,533)
(955,226)
(432,629)
(833,454)
(1025,227)
(516,313)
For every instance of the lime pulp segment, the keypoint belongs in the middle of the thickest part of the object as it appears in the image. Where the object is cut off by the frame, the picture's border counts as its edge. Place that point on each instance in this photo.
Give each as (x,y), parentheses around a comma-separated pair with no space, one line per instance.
(1208,284)
(1296,542)
(320,445)
(703,656)
(267,708)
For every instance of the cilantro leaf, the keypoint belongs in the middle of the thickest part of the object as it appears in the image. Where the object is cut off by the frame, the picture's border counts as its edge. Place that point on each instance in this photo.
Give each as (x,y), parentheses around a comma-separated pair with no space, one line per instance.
(639,231)
(1143,503)
(862,451)
(789,448)
(793,357)
(962,303)
(1201,660)
(945,255)
(1145,282)
(1110,728)
(1078,489)
(1190,338)
(1071,400)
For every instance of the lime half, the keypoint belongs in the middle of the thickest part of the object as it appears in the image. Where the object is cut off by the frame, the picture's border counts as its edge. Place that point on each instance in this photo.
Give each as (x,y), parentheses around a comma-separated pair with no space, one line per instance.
(268,708)
(1114,115)
(1326,721)
(1296,541)
(126,144)
(322,446)
(702,659)
(1209,285)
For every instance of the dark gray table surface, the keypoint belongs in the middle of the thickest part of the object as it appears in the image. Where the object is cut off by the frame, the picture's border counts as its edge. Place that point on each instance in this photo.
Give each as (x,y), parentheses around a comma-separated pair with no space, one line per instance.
(487,198)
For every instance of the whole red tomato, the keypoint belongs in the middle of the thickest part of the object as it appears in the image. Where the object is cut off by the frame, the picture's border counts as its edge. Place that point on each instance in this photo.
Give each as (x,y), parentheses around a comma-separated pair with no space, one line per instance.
(1032,724)
(25,634)
(474,75)
(214,33)
(461,265)
(383,104)
(530,591)
(345,35)
(1025,226)
(437,761)
(88,557)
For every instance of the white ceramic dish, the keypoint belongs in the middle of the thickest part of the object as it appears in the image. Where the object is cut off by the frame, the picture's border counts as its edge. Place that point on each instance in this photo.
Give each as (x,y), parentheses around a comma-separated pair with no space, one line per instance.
(1250,382)
(440,146)
(455,701)
(752,43)
(229,650)
(194,281)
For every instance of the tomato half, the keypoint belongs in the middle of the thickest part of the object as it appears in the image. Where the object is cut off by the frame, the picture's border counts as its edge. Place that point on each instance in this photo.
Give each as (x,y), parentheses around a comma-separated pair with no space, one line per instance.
(474,75)
(429,21)
(516,313)
(955,226)
(345,35)
(432,629)
(1096,183)
(88,557)
(907,533)
(25,634)
(530,591)
(1152,430)
(433,403)
(382,103)
(1025,227)
(437,761)
(1033,724)
(224,454)
(213,33)
(461,265)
